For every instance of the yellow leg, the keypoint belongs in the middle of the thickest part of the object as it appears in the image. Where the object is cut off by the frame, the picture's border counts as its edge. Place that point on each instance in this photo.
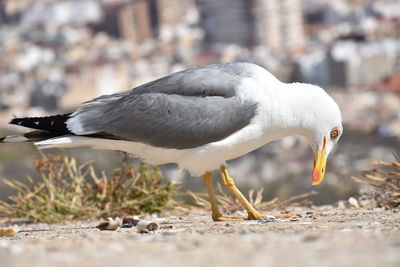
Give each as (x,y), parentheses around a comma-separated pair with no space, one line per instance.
(216,214)
(230,184)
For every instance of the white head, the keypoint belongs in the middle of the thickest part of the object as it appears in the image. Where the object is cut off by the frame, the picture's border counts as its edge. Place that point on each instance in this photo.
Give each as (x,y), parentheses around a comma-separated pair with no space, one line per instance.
(321,125)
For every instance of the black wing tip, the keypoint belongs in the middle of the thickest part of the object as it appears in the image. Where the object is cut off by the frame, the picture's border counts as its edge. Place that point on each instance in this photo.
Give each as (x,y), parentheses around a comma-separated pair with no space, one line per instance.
(55,123)
(15,121)
(2,139)
(64,115)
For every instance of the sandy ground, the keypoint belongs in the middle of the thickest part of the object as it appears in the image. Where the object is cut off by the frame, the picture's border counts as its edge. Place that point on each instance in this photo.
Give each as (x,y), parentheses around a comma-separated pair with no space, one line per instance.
(323,236)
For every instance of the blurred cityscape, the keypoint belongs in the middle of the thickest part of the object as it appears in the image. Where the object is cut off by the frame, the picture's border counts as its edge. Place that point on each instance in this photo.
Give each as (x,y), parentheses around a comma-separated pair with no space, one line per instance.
(56,54)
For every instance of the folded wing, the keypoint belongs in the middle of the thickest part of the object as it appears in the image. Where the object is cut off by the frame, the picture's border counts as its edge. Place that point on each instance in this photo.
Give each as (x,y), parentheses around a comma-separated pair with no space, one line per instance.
(184,110)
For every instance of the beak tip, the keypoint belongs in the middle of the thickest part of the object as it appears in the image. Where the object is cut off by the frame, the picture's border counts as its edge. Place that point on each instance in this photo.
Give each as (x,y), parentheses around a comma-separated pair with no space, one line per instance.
(316,177)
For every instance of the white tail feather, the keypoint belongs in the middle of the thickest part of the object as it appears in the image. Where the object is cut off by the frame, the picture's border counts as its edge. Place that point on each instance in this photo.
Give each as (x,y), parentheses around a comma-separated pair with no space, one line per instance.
(65,141)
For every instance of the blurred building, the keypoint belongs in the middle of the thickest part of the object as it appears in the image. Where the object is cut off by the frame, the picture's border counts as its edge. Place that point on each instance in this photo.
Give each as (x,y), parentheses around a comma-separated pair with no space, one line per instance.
(348,63)
(276,24)
(128,20)
(140,20)
(98,47)
(227,22)
(279,24)
(350,42)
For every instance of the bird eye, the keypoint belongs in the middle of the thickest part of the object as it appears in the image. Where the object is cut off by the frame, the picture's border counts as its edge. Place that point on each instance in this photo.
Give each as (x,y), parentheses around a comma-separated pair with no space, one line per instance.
(334,133)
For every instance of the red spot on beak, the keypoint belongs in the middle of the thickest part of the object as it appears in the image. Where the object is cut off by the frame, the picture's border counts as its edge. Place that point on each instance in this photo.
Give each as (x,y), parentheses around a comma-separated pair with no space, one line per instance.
(316,176)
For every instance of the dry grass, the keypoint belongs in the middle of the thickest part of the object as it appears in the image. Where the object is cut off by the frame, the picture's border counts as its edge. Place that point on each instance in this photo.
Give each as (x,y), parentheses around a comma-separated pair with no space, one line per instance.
(229,204)
(385,178)
(68,190)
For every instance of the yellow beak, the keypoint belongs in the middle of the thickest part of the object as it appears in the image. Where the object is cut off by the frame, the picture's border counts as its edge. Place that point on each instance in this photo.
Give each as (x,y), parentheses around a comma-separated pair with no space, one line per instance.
(318,173)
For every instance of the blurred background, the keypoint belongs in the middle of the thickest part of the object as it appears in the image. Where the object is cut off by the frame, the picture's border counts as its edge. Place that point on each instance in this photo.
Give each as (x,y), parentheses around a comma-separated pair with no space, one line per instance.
(56,54)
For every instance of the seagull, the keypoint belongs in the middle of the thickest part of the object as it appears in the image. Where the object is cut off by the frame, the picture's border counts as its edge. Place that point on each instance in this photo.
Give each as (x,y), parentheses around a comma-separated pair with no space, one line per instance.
(198,118)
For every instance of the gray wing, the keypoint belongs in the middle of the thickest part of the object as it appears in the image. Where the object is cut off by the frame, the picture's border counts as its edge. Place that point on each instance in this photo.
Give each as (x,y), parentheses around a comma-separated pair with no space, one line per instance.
(183,110)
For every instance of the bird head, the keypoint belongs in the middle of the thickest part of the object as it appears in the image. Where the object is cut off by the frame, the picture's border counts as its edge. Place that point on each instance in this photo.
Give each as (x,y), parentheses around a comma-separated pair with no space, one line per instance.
(324,129)
(323,145)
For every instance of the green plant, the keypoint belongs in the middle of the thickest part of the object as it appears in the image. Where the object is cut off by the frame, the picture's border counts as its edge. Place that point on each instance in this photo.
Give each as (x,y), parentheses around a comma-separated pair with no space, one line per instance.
(67,190)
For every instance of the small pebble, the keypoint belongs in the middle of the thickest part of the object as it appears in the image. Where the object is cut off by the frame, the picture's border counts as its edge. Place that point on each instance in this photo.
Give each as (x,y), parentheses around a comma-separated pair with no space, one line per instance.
(9,231)
(108,225)
(147,226)
(129,222)
(353,202)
